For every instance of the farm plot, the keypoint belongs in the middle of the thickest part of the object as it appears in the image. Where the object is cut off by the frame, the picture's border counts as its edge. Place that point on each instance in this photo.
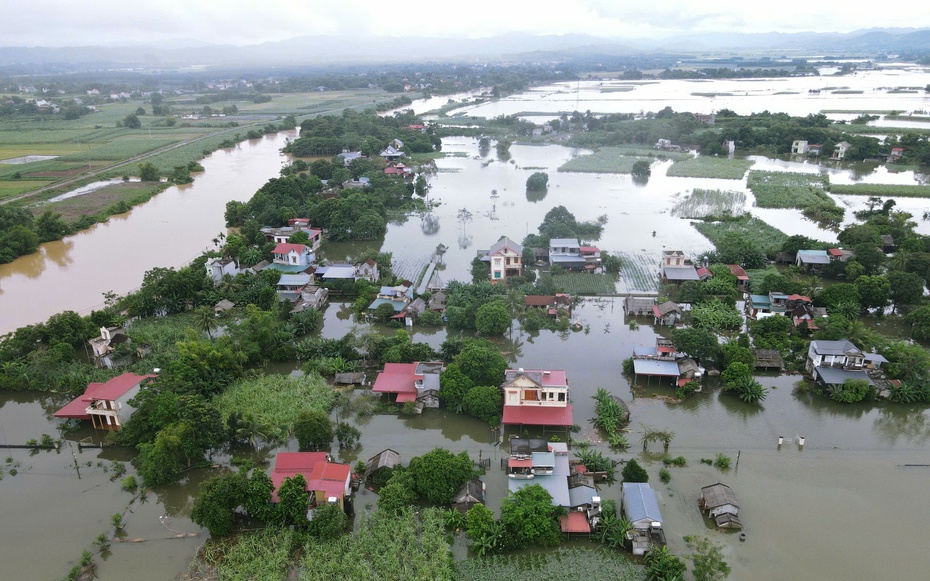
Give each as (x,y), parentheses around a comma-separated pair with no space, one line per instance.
(710,167)
(616,159)
(760,234)
(881,190)
(578,283)
(774,189)
(639,273)
(704,204)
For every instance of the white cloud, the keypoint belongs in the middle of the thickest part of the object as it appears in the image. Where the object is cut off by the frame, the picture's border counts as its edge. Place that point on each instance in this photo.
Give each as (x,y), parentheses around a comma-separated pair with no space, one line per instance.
(84,22)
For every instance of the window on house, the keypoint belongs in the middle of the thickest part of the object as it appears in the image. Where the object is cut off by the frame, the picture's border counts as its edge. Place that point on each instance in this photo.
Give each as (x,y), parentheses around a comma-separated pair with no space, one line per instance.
(562,396)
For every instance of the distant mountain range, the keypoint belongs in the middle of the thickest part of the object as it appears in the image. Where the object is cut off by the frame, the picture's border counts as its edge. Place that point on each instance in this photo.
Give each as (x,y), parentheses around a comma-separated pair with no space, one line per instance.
(319,51)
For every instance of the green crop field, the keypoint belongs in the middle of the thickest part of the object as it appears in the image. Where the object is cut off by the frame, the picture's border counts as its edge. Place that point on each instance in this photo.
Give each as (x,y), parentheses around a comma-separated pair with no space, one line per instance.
(775,189)
(710,167)
(894,190)
(13,188)
(617,159)
(703,204)
(579,283)
(767,237)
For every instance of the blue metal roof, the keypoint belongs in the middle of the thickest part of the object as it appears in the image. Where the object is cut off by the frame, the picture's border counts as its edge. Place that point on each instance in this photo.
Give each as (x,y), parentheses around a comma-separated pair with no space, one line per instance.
(653,367)
(639,503)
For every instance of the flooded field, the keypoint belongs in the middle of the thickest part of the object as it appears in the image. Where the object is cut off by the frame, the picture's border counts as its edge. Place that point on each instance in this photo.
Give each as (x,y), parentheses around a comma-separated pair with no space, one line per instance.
(849,505)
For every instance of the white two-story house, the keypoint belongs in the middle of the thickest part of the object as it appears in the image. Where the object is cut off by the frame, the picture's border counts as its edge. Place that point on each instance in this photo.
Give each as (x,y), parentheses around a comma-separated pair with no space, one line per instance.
(505,258)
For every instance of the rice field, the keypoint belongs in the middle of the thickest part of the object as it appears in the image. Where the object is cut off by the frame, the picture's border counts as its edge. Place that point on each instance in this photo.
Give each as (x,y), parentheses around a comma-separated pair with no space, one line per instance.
(761,234)
(639,273)
(120,148)
(710,167)
(881,190)
(703,204)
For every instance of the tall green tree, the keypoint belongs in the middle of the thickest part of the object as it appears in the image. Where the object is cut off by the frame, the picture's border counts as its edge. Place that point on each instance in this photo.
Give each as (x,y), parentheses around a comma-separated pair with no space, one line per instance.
(215,505)
(313,430)
(438,474)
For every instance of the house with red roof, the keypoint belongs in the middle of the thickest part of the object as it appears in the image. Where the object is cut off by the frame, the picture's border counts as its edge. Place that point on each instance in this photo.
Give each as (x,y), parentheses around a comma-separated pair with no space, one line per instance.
(327,482)
(293,254)
(536,397)
(742,279)
(294,225)
(405,382)
(106,405)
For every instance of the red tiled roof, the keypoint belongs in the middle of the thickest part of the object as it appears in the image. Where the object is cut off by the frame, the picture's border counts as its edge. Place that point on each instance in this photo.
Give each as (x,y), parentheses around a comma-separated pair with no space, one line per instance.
(320,475)
(406,396)
(575,522)
(655,311)
(835,252)
(109,391)
(581,469)
(517,463)
(799,298)
(295,462)
(538,415)
(285,248)
(737,271)
(589,249)
(537,300)
(397,378)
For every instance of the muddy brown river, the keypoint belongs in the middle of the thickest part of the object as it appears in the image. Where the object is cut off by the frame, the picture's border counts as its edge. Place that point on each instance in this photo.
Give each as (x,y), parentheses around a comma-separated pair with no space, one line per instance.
(850,505)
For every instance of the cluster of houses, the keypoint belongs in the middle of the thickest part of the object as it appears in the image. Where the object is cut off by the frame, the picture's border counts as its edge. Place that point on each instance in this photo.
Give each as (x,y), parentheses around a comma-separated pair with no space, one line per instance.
(801,147)
(505,257)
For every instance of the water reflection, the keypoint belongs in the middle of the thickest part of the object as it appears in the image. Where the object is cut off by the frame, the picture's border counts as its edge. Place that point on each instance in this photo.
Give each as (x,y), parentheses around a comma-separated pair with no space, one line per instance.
(909,423)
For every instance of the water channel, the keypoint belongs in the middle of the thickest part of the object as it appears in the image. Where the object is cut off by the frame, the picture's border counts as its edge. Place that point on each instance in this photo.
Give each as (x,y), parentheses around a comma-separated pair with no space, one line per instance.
(851,504)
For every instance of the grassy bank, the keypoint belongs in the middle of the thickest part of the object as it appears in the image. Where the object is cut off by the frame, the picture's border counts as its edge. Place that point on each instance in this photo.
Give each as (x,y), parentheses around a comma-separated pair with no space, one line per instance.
(709,204)
(806,192)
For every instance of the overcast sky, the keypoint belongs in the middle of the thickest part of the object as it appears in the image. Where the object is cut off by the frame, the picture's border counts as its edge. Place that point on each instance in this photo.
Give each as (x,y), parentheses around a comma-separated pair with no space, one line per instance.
(114,22)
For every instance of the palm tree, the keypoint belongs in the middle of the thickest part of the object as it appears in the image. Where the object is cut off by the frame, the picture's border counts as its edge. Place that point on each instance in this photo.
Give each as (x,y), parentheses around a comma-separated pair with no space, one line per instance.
(205,321)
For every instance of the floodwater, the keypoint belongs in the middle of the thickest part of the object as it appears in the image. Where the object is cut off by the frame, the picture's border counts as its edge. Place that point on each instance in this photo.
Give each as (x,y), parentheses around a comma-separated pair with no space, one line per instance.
(744,96)
(849,505)
(171,229)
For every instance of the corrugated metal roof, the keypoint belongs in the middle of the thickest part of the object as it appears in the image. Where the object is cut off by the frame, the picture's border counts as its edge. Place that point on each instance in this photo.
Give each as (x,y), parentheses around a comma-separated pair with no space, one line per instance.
(640,503)
(654,367)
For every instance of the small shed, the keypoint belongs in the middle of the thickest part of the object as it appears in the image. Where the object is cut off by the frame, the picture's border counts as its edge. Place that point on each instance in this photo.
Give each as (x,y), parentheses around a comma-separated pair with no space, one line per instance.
(223,306)
(638,306)
(350,378)
(470,494)
(768,359)
(720,504)
(386,458)
(668,313)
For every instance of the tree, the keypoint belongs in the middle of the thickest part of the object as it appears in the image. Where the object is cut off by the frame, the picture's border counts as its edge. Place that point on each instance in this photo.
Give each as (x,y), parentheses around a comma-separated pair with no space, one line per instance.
(920,323)
(131,121)
(384,312)
(907,288)
(735,374)
(329,522)
(219,496)
(258,496)
(437,475)
(733,352)
(205,320)
(484,402)
(734,248)
(874,291)
(421,187)
(482,362)
(716,316)
(633,472)
(347,435)
(835,294)
(663,565)
(528,518)
(313,430)
(698,343)
(851,391)
(148,172)
(453,386)
(641,169)
(538,182)
(293,502)
(492,318)
(398,493)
